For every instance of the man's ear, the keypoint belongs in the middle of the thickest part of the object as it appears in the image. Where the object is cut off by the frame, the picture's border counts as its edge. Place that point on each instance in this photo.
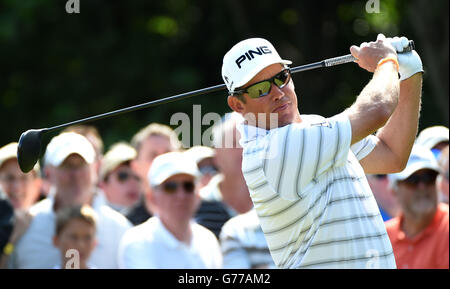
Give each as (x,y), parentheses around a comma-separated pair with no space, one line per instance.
(235,104)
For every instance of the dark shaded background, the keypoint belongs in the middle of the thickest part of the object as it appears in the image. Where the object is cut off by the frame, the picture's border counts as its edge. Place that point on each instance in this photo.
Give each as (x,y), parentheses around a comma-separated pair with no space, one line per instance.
(57,67)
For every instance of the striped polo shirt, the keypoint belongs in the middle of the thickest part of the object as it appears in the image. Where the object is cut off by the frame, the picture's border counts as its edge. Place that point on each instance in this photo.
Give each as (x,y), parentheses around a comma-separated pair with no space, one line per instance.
(311,195)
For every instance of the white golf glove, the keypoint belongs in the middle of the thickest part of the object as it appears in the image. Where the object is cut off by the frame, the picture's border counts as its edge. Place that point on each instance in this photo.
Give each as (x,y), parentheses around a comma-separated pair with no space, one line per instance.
(409,62)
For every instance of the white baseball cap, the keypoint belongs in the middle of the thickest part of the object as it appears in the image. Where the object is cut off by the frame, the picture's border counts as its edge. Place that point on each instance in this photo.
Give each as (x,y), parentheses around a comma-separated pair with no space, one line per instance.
(246,59)
(169,164)
(420,158)
(118,154)
(9,152)
(65,144)
(433,135)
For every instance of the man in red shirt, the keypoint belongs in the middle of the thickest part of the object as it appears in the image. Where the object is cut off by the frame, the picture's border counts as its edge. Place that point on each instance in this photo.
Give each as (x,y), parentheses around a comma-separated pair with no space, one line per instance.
(420,235)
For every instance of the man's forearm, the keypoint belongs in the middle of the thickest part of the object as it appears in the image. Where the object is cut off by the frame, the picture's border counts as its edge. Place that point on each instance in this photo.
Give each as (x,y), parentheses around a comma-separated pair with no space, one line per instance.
(401,129)
(376,102)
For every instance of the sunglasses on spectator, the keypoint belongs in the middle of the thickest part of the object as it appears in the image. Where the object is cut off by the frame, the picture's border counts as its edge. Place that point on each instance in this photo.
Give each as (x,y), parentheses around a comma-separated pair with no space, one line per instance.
(172,187)
(263,88)
(123,176)
(426,178)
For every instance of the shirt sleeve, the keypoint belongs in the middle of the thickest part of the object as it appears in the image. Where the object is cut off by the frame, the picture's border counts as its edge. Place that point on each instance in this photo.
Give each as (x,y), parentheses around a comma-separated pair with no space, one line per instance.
(234,255)
(298,153)
(364,147)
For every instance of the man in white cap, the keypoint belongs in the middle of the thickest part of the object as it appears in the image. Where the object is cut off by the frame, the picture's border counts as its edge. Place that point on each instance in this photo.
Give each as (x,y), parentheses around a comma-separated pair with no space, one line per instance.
(420,235)
(121,185)
(69,166)
(22,189)
(171,239)
(306,173)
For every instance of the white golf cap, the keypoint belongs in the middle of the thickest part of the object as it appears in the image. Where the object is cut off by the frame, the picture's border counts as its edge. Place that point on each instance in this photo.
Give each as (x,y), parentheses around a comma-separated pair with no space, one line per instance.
(420,158)
(118,154)
(246,59)
(65,144)
(433,135)
(9,152)
(170,164)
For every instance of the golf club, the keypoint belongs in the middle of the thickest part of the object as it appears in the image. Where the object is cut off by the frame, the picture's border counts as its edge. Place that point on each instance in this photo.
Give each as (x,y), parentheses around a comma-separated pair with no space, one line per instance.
(30,141)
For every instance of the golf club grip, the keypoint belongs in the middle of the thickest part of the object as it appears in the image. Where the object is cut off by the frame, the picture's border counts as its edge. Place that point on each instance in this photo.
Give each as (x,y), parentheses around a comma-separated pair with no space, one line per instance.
(349,58)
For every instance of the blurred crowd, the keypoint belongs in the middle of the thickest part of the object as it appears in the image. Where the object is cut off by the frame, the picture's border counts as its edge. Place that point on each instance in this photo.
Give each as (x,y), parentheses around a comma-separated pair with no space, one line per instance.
(149,203)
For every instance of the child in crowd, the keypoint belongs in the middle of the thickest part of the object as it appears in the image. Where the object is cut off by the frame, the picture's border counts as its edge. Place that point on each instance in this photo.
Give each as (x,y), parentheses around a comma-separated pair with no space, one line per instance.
(75,236)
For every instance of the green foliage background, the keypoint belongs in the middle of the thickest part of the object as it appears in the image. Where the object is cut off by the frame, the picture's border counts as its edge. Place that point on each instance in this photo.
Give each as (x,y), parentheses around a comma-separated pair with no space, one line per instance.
(57,67)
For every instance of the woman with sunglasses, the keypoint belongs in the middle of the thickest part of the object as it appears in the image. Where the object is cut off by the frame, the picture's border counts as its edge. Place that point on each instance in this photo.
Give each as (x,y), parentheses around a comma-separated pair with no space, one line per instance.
(306,173)
(171,239)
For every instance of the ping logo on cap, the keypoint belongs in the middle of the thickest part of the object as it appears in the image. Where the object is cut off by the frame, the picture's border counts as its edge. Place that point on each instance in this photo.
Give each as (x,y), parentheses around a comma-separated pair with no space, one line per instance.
(250,54)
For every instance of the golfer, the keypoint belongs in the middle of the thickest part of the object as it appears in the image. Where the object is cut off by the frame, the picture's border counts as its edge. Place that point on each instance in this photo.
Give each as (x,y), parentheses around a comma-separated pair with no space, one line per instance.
(306,173)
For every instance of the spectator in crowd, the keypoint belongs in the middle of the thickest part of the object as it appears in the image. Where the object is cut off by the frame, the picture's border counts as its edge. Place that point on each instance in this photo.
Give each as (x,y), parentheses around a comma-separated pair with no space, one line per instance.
(22,189)
(75,236)
(93,136)
(18,192)
(121,185)
(204,158)
(226,195)
(434,138)
(379,184)
(13,223)
(149,142)
(243,243)
(69,164)
(442,178)
(420,234)
(171,239)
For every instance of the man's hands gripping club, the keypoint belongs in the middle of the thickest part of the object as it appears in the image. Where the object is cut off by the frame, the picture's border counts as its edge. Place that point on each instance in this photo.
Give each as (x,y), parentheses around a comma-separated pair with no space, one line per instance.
(368,55)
